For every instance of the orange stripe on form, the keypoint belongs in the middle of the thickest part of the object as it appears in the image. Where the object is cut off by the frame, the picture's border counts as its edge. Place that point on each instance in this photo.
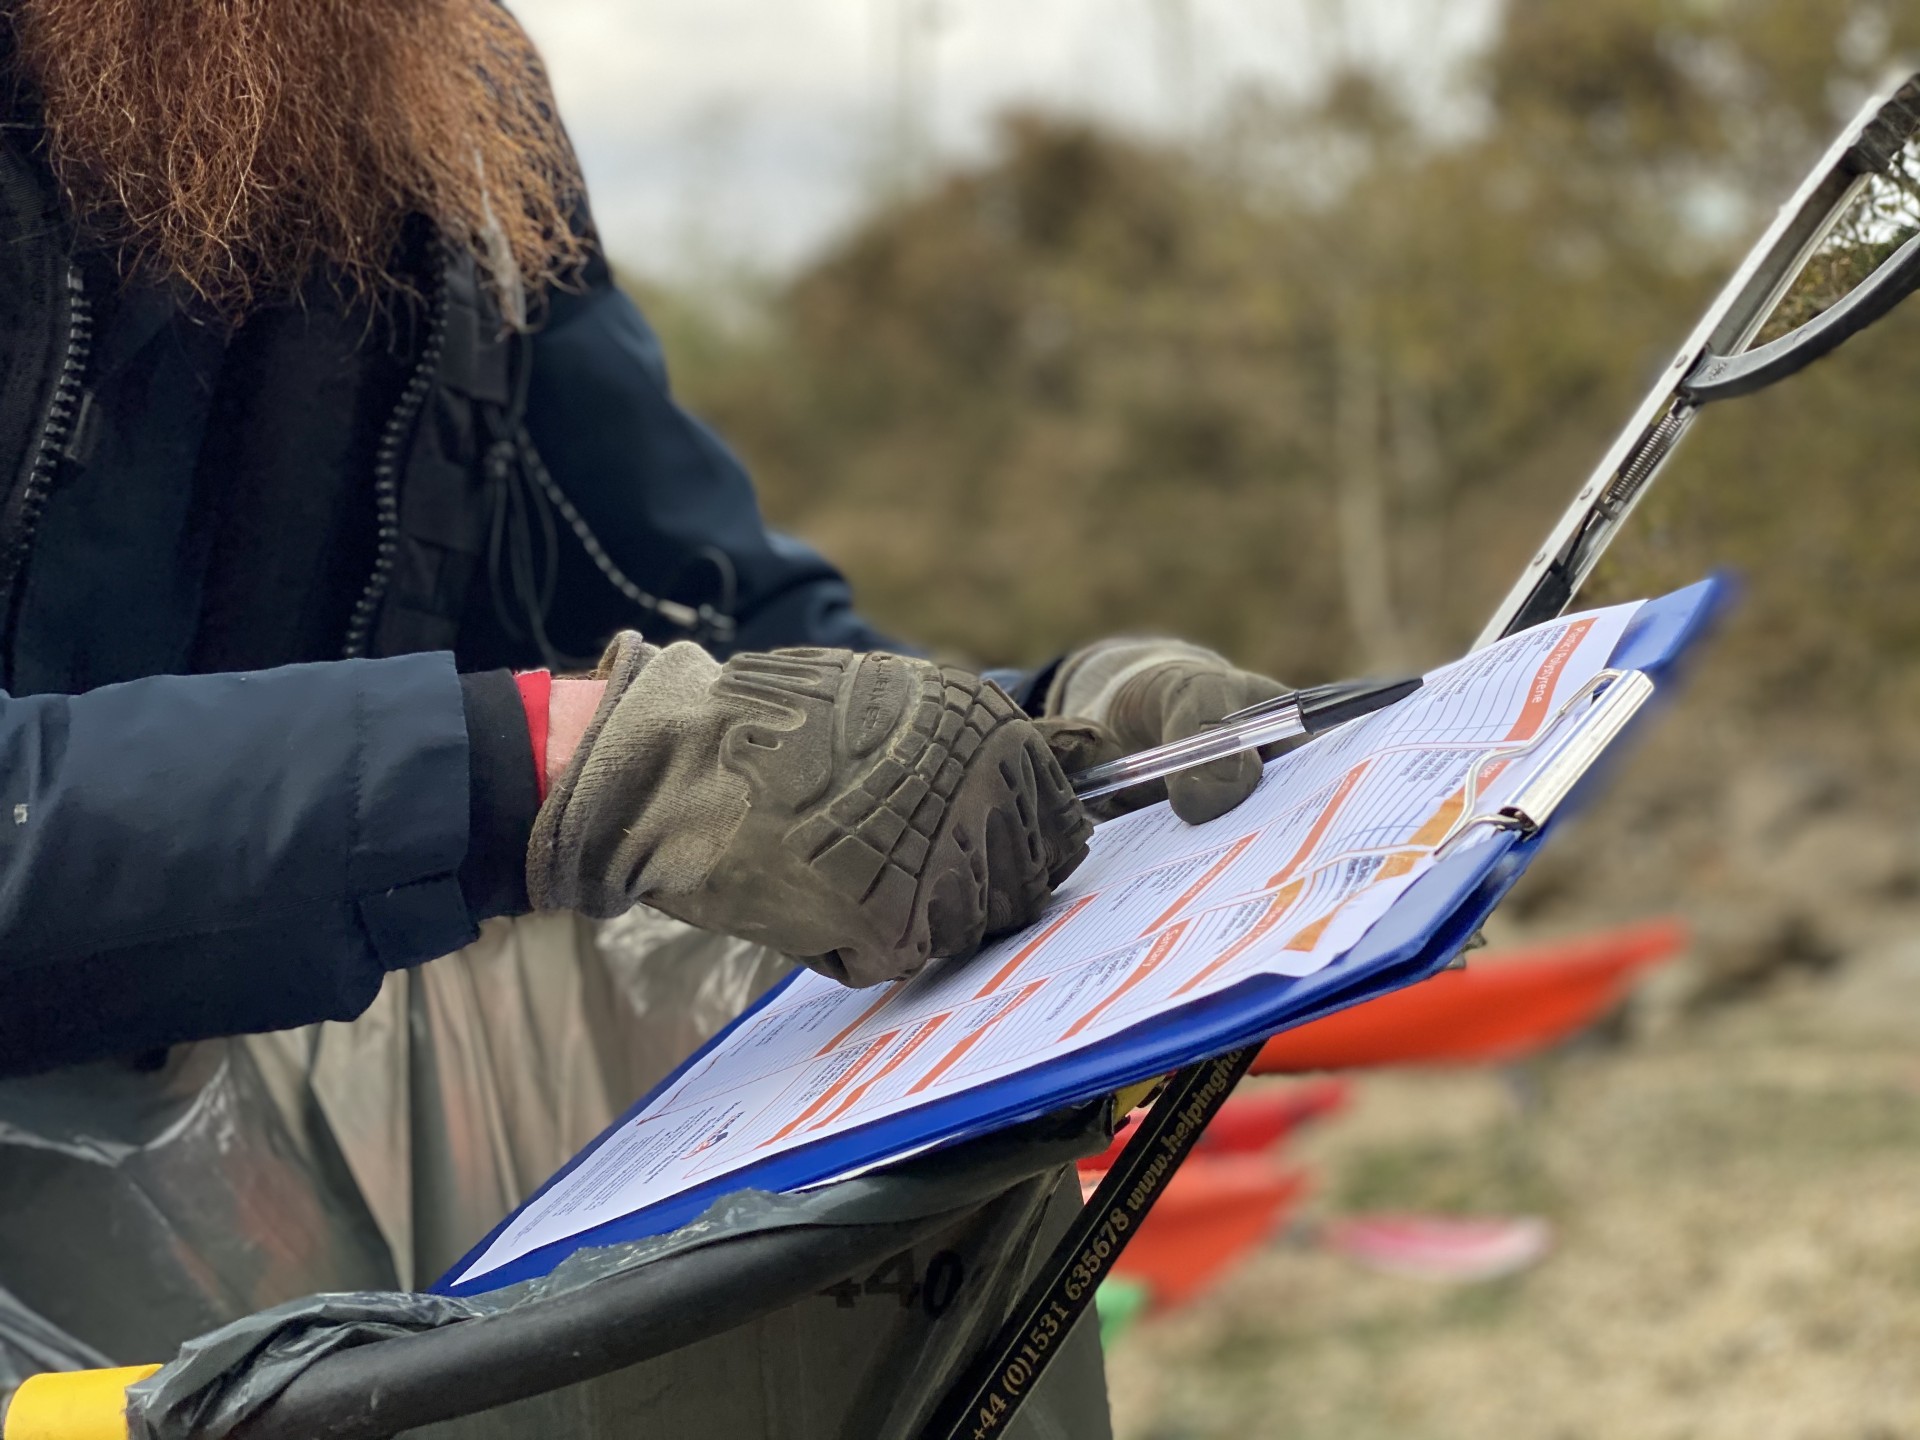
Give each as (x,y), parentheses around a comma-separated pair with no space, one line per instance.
(922,1034)
(1341,792)
(1027,951)
(1540,695)
(955,1055)
(865,1015)
(1161,948)
(1396,865)
(1214,872)
(832,1092)
(1276,910)
(1306,939)
(899,1058)
(1441,821)
(1532,715)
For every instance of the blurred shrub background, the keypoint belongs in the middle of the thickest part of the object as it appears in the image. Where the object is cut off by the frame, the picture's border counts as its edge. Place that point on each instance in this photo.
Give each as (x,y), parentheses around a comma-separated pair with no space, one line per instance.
(1309,387)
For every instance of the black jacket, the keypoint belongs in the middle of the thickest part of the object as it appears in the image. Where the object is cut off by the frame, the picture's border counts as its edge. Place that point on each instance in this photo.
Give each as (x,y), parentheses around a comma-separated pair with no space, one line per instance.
(241,773)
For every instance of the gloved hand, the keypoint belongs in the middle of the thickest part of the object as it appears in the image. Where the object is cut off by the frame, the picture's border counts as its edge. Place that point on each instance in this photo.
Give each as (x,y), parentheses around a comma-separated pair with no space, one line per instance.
(1120,696)
(862,813)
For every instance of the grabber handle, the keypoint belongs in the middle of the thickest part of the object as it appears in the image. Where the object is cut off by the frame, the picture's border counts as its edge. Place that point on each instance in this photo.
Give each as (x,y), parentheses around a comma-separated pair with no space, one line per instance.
(73,1405)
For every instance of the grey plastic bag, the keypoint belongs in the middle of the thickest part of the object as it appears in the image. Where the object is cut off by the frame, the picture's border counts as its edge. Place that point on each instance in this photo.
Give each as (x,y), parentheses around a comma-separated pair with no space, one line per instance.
(140,1208)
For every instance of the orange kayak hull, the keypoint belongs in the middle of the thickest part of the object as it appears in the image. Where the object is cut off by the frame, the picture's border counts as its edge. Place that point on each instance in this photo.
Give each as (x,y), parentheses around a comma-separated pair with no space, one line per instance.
(1216,1209)
(1501,1008)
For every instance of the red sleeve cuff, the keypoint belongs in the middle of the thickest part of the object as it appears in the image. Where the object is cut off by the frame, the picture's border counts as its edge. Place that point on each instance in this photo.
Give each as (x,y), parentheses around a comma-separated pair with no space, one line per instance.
(536,693)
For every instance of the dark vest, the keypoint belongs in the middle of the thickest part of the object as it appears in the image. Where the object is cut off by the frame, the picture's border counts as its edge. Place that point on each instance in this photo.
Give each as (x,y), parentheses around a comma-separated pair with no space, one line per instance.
(360,484)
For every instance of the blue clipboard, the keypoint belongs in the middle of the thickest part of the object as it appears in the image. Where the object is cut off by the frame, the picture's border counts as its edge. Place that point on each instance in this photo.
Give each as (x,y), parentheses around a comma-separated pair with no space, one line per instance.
(1420,935)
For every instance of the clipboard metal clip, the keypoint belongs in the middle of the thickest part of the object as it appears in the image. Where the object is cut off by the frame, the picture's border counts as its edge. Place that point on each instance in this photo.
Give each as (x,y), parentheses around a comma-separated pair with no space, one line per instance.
(1617,696)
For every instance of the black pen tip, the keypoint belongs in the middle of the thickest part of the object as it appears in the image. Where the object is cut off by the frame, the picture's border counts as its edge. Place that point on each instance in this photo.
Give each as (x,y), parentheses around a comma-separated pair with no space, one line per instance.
(1330,705)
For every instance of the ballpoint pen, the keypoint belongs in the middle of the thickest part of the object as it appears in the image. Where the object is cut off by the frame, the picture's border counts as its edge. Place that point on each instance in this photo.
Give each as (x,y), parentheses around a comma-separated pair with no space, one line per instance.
(1299,712)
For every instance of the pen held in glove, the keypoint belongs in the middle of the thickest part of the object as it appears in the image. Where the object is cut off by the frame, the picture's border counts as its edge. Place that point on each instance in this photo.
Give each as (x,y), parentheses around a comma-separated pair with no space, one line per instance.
(1302,712)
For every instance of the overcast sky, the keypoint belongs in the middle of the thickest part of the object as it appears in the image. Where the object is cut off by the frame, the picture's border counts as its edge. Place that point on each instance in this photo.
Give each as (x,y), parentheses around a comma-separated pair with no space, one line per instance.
(745,131)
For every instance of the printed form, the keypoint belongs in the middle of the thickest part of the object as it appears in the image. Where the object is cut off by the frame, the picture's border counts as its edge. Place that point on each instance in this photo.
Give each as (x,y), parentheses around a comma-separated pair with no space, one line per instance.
(1159,915)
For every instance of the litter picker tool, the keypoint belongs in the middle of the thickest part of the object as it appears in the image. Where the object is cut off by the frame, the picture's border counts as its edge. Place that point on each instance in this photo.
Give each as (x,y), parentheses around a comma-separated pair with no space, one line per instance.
(1840,255)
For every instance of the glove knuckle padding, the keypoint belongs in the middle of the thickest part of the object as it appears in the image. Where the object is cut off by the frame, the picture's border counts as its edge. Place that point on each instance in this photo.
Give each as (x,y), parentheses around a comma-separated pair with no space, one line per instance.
(889,810)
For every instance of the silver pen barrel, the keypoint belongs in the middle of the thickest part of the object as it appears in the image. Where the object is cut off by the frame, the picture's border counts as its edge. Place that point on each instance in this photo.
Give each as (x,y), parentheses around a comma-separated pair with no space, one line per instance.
(1281,722)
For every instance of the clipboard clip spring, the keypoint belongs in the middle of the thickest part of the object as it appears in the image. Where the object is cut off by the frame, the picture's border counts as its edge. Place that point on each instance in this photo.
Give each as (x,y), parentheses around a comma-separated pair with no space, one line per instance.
(1618,696)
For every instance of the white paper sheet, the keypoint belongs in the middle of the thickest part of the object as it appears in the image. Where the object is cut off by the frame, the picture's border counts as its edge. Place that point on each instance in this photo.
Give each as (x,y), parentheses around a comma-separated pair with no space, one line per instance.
(1161,914)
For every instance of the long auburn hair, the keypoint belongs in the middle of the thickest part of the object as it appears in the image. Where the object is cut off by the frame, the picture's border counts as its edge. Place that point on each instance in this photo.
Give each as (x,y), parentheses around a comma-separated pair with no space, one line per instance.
(240,147)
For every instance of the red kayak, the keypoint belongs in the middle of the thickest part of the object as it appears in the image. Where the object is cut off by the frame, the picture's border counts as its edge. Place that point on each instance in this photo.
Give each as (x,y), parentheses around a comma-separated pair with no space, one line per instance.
(1500,1008)
(1216,1208)
(1253,1120)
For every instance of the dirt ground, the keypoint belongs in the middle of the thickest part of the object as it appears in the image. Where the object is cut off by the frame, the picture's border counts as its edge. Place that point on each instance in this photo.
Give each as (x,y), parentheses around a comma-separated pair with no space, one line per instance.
(1732,1168)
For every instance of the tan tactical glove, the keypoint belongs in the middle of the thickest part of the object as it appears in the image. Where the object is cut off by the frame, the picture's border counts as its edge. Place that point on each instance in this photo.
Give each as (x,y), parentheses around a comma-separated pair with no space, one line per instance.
(862,813)
(1119,696)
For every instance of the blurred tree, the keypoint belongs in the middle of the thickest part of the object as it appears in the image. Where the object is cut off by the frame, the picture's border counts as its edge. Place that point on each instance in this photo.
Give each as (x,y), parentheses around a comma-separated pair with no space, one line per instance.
(1311,389)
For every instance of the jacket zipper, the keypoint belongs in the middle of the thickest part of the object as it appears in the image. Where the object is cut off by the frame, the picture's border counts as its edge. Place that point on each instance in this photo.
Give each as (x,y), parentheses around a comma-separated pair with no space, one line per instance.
(56,429)
(389,465)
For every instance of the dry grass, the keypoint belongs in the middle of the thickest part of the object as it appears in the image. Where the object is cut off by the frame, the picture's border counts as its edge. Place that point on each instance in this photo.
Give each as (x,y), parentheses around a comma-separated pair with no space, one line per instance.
(1737,1206)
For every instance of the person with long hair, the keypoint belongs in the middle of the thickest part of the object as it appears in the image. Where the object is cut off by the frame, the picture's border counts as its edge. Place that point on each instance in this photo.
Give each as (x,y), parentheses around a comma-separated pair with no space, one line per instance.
(329,452)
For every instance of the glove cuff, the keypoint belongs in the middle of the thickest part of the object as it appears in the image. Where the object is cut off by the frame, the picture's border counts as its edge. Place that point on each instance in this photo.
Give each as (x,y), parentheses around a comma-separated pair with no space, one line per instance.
(551,883)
